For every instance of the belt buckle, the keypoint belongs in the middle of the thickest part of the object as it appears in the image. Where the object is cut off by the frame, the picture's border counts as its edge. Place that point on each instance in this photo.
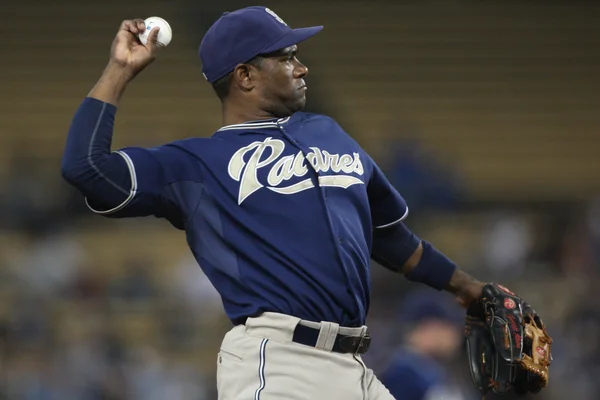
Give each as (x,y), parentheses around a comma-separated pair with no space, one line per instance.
(363,342)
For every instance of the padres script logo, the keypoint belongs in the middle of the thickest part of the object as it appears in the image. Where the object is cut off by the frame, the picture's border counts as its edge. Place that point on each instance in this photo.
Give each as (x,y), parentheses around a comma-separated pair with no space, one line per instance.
(246,172)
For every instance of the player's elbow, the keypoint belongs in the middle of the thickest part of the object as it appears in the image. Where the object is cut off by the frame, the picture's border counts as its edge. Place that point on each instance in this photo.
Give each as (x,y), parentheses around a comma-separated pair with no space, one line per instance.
(69,171)
(72,170)
(78,171)
(396,246)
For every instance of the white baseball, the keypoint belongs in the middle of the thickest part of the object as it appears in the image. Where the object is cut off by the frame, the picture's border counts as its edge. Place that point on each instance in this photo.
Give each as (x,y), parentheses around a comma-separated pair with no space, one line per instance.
(164,34)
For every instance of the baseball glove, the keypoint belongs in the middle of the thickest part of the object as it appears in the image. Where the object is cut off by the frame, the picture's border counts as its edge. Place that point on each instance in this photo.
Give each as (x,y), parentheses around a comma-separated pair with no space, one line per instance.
(508,348)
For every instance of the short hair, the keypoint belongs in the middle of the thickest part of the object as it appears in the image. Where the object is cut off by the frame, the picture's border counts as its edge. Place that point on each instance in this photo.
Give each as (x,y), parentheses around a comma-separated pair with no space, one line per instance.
(222,85)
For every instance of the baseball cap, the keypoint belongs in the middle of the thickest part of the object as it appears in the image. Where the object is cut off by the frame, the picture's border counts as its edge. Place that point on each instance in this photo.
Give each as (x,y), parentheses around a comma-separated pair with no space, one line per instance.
(241,35)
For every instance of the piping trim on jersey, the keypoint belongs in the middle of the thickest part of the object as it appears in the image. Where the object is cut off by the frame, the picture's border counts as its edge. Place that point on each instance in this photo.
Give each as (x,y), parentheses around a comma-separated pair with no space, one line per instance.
(132,191)
(395,222)
(255,125)
(261,369)
(91,148)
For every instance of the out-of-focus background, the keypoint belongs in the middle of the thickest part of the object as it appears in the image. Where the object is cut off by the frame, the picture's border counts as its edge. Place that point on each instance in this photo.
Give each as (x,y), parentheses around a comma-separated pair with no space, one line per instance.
(484,114)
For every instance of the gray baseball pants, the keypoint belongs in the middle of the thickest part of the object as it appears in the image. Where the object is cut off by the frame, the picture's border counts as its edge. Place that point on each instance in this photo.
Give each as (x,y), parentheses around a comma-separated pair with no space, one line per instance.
(259,361)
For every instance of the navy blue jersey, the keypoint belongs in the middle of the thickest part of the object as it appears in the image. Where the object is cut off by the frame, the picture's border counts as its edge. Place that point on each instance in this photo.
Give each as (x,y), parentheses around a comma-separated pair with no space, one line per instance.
(278,213)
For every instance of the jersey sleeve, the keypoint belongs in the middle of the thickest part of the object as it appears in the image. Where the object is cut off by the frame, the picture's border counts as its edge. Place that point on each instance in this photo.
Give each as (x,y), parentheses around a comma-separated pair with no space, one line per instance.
(149,172)
(387,205)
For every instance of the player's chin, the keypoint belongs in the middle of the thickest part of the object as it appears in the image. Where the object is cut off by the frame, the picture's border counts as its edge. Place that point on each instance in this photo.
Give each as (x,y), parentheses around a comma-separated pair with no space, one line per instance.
(298,104)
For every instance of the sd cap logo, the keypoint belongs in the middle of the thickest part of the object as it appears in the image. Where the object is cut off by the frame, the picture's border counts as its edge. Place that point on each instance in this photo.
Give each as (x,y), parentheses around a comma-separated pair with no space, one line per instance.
(275,16)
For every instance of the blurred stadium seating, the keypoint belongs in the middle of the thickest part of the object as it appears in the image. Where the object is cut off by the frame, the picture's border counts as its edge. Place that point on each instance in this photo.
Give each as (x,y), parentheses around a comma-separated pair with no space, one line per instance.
(503,94)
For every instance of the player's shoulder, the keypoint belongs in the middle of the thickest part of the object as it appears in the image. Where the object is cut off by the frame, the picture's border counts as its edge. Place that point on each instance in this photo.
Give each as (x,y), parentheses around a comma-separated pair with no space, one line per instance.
(215,145)
(186,144)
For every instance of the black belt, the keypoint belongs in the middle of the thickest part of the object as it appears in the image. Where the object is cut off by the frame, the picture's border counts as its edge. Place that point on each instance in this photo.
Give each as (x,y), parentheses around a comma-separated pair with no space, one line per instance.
(343,343)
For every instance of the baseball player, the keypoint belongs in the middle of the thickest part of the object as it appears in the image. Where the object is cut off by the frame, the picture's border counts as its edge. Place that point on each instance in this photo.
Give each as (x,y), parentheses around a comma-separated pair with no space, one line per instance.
(281,208)
(418,368)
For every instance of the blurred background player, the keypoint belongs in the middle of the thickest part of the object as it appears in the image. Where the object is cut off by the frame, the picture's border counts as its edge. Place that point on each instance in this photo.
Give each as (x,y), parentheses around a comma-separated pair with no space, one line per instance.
(425,365)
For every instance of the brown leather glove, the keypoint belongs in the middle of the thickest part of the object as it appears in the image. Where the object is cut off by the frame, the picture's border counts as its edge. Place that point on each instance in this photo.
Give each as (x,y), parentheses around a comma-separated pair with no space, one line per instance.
(508,348)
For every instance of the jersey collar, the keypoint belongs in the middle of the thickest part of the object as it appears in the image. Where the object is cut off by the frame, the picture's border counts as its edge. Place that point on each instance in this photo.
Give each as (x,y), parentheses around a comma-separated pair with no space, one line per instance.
(260,124)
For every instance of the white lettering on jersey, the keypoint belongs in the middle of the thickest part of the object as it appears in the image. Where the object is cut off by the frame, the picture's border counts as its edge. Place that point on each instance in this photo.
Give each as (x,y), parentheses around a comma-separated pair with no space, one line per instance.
(287,167)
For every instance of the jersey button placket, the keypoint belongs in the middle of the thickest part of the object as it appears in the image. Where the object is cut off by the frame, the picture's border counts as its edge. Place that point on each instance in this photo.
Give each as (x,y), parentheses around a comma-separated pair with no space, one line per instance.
(325,203)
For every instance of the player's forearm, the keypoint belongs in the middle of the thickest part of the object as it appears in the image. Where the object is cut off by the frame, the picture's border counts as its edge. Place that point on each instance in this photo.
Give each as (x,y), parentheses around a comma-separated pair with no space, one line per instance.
(112,84)
(466,288)
(398,249)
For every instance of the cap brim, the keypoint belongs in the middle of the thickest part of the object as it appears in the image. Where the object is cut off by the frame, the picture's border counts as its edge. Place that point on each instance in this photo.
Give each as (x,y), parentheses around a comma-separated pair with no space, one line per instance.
(295,36)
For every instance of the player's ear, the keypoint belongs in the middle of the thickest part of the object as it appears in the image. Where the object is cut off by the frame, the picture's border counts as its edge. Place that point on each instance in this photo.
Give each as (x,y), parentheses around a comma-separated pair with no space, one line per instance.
(244,76)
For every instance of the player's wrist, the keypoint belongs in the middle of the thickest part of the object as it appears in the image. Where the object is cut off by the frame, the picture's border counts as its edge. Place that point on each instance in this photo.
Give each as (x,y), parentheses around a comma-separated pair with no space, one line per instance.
(466,288)
(117,72)
(433,268)
(112,83)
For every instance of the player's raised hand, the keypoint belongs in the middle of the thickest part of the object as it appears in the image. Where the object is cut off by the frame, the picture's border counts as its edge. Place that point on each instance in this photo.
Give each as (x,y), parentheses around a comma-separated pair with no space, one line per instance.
(128,51)
(128,56)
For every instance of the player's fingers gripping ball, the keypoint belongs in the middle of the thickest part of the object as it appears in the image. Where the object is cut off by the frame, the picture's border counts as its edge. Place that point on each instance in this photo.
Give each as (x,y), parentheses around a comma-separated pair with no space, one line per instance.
(164,34)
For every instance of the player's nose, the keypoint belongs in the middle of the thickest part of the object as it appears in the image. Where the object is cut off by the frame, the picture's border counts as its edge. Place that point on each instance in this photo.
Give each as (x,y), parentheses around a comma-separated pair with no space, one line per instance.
(301,70)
